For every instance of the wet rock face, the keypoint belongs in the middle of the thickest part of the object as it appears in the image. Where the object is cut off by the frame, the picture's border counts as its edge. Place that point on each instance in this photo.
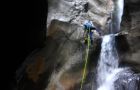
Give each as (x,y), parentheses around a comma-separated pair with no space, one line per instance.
(128,80)
(131,20)
(132,1)
(59,65)
(70,55)
(129,46)
(128,50)
(77,11)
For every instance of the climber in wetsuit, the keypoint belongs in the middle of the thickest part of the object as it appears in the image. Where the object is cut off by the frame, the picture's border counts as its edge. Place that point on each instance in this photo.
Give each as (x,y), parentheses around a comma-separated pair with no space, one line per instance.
(89,29)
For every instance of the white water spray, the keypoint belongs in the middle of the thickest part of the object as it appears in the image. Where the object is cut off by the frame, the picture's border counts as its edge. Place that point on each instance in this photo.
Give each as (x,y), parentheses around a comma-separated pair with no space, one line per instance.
(108,64)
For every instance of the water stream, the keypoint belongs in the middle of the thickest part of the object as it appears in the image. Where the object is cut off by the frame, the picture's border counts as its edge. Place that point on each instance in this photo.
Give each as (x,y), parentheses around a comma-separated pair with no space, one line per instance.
(108,64)
(117,15)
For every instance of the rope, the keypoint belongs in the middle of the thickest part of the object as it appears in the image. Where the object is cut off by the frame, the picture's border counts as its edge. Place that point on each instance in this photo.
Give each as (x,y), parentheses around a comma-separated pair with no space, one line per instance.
(85,65)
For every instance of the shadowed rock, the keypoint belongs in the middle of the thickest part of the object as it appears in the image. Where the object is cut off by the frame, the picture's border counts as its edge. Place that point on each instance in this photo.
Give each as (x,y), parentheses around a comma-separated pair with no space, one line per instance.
(128,80)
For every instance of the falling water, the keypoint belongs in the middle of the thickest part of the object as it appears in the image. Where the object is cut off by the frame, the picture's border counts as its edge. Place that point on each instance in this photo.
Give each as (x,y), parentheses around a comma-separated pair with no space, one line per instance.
(108,64)
(117,15)
(120,6)
(109,75)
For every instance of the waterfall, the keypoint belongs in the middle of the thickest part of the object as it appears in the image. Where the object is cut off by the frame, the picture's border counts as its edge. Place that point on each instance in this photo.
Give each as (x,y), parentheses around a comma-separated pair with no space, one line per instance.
(120,6)
(117,15)
(109,75)
(108,64)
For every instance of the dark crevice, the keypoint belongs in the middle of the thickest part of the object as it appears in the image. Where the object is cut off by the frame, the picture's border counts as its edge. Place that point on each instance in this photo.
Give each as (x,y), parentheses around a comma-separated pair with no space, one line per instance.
(94,56)
(28,33)
(86,7)
(122,44)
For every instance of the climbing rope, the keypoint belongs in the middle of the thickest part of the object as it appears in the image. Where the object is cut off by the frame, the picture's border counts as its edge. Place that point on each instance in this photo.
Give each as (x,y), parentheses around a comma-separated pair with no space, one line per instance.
(86,61)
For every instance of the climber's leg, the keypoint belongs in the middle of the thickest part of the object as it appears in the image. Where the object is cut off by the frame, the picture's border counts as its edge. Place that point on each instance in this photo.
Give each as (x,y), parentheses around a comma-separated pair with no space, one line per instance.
(86,37)
(91,38)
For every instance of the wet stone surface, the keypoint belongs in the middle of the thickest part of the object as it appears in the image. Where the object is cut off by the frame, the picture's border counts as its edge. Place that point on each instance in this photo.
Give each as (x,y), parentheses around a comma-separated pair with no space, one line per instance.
(128,80)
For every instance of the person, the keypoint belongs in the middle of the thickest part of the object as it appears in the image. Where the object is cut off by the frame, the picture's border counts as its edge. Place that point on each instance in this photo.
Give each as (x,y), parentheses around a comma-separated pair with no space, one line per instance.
(89,29)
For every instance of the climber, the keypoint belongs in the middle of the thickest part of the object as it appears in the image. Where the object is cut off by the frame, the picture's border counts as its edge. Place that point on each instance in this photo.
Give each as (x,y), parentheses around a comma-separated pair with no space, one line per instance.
(89,29)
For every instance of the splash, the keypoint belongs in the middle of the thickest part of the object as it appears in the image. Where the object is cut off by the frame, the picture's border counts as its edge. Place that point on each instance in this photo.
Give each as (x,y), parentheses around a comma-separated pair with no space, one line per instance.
(108,64)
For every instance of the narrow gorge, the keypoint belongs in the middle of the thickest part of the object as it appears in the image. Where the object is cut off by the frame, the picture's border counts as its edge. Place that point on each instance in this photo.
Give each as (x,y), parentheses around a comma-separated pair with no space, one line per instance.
(113,60)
